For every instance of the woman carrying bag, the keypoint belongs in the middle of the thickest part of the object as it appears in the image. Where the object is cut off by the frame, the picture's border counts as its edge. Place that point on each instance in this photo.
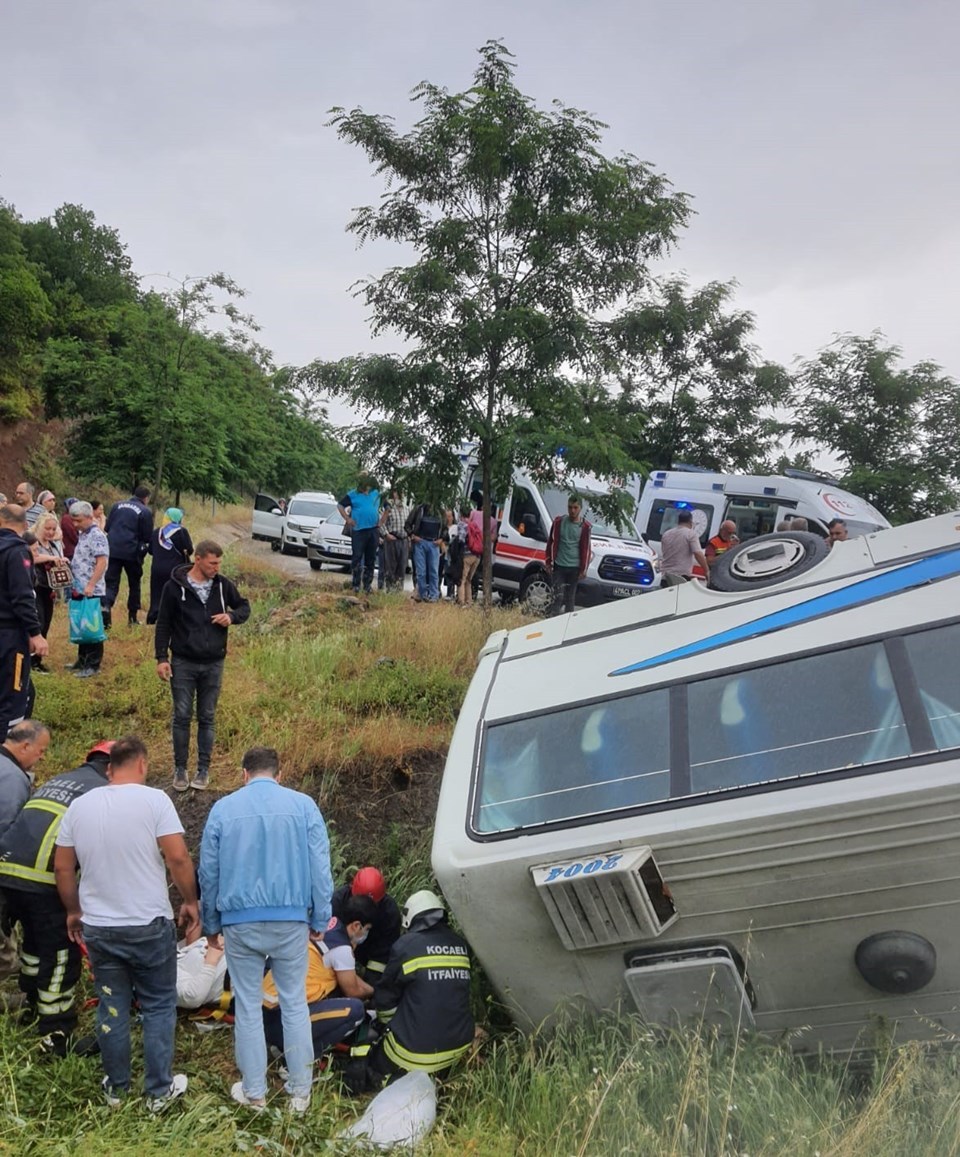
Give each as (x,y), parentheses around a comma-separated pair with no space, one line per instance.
(53,574)
(170,547)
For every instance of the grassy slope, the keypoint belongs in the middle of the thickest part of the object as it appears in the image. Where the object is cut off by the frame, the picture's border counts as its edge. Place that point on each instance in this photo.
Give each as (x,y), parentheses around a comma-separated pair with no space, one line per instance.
(306,675)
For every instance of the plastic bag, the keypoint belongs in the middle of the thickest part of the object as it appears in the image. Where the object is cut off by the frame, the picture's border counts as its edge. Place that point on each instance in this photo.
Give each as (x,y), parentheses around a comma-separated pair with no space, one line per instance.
(402,1114)
(86,621)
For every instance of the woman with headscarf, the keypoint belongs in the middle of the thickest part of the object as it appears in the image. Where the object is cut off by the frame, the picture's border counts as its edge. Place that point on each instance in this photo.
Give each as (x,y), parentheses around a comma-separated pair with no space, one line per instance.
(170,546)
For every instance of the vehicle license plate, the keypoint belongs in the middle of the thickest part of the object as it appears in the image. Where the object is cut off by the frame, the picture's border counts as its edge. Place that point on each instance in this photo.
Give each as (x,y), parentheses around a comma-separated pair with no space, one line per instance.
(626,592)
(339,549)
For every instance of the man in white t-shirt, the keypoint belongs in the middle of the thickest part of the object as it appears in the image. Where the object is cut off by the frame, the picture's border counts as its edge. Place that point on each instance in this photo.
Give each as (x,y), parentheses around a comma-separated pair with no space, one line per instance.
(121,836)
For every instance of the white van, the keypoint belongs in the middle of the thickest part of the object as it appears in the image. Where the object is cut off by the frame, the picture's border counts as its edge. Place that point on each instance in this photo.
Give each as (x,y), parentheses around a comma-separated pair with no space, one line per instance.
(621,563)
(743,807)
(756,503)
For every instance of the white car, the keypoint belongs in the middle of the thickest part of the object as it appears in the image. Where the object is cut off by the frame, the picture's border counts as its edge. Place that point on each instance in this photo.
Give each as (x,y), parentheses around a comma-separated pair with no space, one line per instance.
(306,511)
(330,542)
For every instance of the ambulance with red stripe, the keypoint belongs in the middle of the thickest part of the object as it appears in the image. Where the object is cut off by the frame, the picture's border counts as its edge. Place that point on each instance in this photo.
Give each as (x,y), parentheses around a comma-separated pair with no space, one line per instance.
(621,563)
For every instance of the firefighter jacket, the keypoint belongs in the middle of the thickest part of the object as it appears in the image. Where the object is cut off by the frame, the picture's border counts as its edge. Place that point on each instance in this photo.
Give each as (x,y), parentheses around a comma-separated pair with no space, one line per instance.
(26,847)
(374,952)
(424,997)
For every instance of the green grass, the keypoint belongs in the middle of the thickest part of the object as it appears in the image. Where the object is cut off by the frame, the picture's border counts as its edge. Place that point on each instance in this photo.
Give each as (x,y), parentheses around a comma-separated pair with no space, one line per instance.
(603,1089)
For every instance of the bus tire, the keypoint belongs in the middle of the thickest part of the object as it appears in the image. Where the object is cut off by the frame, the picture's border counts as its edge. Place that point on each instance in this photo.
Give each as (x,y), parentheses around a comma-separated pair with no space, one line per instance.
(767,561)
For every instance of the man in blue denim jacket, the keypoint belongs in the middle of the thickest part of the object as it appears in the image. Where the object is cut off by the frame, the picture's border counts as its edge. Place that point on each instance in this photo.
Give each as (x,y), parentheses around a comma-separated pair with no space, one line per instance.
(266,884)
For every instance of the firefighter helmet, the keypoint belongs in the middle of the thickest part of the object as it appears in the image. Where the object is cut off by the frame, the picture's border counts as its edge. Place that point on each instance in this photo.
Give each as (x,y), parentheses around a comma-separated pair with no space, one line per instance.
(104,747)
(420,902)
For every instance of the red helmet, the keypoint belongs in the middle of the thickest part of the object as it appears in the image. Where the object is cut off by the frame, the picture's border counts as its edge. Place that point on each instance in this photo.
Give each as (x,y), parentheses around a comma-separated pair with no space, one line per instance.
(369,882)
(104,747)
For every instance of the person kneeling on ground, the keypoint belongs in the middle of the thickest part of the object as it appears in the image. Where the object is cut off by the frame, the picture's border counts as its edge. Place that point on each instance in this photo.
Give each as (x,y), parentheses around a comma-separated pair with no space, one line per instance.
(424,997)
(335,994)
(371,954)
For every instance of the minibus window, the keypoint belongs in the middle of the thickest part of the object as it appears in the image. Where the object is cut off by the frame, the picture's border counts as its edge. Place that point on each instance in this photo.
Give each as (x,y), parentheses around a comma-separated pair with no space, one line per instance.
(582,761)
(789,719)
(935,656)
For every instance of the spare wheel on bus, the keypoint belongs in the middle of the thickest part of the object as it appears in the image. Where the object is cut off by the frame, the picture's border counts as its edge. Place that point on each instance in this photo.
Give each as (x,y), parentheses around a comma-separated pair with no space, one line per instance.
(767,560)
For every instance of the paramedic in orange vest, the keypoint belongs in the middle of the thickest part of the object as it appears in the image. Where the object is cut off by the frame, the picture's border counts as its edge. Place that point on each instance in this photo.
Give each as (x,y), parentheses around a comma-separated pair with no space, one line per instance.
(722,541)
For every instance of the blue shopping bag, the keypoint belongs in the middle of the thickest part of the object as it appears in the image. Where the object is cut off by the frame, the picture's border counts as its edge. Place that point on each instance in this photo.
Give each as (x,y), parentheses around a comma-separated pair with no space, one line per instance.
(86,621)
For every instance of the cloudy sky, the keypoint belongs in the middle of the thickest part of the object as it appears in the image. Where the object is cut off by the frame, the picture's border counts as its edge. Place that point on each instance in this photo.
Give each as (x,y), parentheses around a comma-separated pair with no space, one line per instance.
(817,137)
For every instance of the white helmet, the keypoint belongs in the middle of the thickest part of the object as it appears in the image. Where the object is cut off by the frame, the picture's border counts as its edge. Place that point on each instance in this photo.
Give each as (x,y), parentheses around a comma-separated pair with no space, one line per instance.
(419,902)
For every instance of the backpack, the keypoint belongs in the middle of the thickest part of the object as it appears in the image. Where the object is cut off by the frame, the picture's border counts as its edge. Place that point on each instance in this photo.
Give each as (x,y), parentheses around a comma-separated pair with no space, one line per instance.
(475,537)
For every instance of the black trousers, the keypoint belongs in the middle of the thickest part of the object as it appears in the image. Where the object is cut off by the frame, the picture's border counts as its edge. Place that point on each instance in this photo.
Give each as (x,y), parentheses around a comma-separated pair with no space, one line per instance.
(133,569)
(49,960)
(565,580)
(15,698)
(158,580)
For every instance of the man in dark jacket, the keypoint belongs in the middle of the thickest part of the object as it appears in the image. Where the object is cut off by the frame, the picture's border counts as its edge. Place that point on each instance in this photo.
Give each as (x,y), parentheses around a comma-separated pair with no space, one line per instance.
(129,527)
(197,607)
(373,952)
(20,635)
(424,995)
(49,959)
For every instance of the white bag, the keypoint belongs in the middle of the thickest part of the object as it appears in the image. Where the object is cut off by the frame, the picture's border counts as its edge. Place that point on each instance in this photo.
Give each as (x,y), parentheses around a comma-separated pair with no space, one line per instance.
(402,1114)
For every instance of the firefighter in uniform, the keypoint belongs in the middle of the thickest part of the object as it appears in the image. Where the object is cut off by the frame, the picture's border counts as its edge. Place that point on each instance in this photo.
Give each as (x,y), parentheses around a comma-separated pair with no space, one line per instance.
(373,953)
(423,998)
(49,960)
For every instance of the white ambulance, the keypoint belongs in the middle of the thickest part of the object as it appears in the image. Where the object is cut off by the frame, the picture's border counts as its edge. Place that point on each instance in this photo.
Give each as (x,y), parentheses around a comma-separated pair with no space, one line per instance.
(756,503)
(621,563)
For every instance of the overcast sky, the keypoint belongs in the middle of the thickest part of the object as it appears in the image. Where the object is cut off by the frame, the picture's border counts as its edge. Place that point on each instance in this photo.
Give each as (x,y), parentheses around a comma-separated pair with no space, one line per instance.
(818,139)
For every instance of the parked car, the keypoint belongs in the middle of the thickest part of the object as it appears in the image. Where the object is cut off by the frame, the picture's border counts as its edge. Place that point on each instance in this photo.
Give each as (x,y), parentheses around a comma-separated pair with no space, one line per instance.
(305,512)
(330,542)
(267,524)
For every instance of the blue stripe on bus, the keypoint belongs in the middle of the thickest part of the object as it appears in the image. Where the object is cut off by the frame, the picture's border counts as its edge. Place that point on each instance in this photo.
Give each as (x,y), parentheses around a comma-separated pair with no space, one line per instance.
(878,586)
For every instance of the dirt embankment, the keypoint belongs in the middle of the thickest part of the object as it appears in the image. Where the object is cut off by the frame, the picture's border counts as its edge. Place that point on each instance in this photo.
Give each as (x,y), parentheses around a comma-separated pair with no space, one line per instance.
(19,441)
(368,807)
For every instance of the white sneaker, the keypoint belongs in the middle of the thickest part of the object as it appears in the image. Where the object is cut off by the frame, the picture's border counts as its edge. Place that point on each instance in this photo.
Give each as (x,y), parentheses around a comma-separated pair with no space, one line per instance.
(298,1104)
(178,1086)
(236,1091)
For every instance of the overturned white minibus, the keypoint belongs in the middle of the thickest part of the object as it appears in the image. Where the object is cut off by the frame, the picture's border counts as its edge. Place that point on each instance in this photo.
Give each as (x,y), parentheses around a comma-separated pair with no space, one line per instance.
(737,806)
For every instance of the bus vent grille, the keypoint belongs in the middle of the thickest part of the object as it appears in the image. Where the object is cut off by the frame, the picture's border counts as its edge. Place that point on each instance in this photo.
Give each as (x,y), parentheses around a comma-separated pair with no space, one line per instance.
(611,898)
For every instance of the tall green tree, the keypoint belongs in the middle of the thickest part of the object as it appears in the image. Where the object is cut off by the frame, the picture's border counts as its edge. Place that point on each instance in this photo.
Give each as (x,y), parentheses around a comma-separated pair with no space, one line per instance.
(529,246)
(80,258)
(24,322)
(895,428)
(696,375)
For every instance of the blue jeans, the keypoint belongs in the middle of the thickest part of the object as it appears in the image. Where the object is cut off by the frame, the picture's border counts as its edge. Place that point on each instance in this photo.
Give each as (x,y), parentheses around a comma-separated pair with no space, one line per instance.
(189,680)
(427,560)
(141,957)
(364,544)
(247,948)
